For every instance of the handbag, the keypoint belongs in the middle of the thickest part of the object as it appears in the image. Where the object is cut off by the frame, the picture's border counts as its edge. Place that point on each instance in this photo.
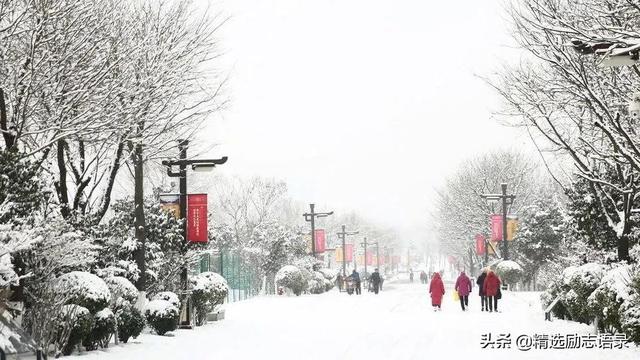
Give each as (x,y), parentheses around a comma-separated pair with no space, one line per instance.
(456,296)
(499,294)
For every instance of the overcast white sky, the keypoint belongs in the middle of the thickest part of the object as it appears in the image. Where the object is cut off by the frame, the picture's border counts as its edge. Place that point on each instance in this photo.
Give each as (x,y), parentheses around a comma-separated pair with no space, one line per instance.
(361,104)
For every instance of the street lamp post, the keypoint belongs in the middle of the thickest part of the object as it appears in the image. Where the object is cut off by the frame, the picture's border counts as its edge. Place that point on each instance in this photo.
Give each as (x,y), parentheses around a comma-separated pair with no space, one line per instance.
(197,165)
(506,200)
(311,217)
(343,235)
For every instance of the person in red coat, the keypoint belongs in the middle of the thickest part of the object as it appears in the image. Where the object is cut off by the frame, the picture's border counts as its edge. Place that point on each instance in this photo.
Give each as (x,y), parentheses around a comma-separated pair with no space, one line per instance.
(491,289)
(436,288)
(463,287)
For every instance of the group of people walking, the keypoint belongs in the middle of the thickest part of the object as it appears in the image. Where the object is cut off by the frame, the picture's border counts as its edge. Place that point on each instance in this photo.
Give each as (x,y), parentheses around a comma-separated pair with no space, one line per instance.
(353,283)
(488,288)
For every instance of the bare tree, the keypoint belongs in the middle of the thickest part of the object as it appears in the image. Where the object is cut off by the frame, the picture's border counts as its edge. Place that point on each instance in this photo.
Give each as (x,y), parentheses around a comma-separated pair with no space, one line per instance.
(572,104)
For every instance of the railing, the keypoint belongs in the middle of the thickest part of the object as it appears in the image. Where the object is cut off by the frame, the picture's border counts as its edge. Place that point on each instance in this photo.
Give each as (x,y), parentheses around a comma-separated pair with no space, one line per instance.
(242,279)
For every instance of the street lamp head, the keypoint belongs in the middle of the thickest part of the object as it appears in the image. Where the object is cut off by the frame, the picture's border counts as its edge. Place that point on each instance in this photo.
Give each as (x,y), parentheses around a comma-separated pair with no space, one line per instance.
(203,167)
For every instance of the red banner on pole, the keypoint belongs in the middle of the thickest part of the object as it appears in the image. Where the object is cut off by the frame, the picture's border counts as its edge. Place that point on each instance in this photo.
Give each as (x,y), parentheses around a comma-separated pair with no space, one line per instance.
(348,251)
(496,227)
(480,242)
(197,218)
(369,257)
(320,241)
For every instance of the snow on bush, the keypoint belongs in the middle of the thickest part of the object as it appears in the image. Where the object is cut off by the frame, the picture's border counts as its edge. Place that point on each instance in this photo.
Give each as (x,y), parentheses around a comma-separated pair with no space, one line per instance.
(317,283)
(586,278)
(509,271)
(7,275)
(209,289)
(605,301)
(630,309)
(576,306)
(130,322)
(168,296)
(104,325)
(121,290)
(329,274)
(85,289)
(80,322)
(162,316)
(567,274)
(293,278)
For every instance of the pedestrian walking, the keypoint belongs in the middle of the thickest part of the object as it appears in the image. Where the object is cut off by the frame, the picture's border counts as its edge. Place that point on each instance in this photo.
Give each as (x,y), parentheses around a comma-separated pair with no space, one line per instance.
(483,298)
(463,287)
(376,280)
(410,275)
(355,277)
(423,277)
(436,288)
(339,281)
(491,289)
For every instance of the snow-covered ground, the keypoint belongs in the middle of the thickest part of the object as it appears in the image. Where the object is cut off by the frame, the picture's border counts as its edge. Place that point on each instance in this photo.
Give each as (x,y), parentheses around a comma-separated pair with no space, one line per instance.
(396,324)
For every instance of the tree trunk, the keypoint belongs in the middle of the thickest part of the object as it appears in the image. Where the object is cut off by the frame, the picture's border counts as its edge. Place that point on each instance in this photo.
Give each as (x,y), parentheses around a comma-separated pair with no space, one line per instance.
(61,184)
(9,138)
(138,200)
(623,247)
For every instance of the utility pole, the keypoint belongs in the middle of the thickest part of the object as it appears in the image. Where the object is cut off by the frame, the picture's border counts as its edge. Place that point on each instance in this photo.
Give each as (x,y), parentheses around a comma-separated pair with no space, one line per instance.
(506,200)
(365,256)
(311,217)
(196,165)
(343,235)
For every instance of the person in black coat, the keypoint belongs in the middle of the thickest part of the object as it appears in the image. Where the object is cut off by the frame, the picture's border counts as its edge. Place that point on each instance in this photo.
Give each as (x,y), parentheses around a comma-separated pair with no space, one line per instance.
(375,280)
(355,276)
(480,282)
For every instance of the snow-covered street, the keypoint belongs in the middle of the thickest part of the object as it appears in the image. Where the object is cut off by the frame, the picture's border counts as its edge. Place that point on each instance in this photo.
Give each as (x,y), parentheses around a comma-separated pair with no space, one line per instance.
(397,324)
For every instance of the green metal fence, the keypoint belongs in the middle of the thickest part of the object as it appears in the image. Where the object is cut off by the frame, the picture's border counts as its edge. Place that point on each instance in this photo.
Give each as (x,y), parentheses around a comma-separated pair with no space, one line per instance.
(243,281)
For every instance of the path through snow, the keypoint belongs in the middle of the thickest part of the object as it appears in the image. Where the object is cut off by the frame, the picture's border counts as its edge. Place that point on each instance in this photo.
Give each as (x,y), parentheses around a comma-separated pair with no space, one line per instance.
(396,324)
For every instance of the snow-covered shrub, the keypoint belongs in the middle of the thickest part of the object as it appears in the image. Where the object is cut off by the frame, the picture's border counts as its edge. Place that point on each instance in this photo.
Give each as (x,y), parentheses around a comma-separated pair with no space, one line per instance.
(122,290)
(130,322)
(577,307)
(586,278)
(605,301)
(317,285)
(329,278)
(104,325)
(162,316)
(630,309)
(555,289)
(509,271)
(293,278)
(328,285)
(168,296)
(209,289)
(75,324)
(85,289)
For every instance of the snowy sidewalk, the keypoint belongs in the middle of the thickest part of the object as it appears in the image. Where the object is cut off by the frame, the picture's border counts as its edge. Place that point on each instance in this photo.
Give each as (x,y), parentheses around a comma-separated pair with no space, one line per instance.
(396,324)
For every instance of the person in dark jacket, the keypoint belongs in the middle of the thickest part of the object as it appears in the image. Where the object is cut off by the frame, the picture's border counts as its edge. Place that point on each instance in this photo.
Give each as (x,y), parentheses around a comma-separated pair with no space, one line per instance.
(491,289)
(463,287)
(339,281)
(375,280)
(480,282)
(355,276)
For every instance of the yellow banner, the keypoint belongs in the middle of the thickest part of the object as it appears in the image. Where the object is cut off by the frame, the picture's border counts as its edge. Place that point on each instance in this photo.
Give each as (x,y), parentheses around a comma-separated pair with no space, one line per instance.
(338,254)
(512,227)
